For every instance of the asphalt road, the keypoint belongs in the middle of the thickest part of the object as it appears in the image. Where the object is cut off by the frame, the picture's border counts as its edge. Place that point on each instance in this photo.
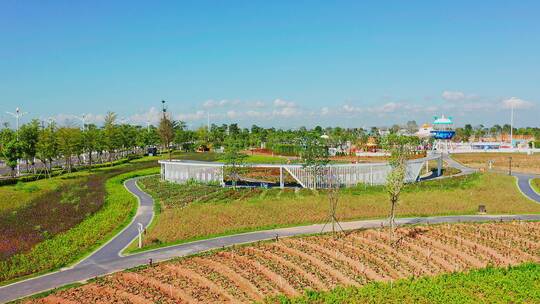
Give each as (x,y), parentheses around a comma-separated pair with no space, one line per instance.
(107,259)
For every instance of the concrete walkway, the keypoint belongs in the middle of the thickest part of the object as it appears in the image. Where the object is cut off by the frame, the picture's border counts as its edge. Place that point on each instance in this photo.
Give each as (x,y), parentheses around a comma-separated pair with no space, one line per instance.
(107,259)
(115,246)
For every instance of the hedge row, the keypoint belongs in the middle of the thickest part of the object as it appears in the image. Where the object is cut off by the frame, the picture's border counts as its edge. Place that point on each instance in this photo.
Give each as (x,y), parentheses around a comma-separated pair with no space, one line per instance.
(58,172)
(286,149)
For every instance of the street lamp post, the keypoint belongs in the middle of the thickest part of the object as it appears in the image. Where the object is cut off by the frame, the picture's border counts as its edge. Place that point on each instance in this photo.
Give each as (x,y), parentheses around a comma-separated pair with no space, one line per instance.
(83,119)
(512,126)
(18,114)
(510,165)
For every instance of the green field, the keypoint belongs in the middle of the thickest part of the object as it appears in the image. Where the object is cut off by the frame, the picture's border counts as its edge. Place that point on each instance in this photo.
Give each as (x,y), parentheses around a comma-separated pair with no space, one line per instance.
(519,284)
(17,196)
(191,211)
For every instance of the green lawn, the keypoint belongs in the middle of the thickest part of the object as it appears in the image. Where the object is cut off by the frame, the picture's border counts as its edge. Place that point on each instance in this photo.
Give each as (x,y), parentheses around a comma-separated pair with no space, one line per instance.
(519,284)
(191,211)
(535,183)
(17,196)
(267,159)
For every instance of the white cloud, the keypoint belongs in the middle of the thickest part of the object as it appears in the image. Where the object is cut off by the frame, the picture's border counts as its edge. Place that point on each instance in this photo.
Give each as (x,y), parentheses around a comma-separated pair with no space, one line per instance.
(389,107)
(461,102)
(453,96)
(517,103)
(219,103)
(351,109)
(286,112)
(256,104)
(325,111)
(232,114)
(191,116)
(71,119)
(280,103)
(152,116)
(256,114)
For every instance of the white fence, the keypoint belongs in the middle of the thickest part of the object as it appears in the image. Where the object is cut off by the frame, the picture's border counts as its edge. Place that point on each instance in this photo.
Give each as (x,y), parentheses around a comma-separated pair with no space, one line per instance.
(344,174)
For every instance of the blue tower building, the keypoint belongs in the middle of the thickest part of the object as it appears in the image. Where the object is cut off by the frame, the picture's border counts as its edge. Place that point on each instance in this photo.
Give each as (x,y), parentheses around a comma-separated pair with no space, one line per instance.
(443,131)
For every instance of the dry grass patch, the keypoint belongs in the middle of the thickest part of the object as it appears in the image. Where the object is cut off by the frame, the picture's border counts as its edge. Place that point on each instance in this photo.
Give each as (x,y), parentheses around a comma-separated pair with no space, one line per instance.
(199,211)
(521,162)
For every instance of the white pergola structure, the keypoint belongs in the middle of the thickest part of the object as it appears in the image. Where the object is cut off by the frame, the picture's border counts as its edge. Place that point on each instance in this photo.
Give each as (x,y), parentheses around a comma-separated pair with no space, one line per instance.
(347,175)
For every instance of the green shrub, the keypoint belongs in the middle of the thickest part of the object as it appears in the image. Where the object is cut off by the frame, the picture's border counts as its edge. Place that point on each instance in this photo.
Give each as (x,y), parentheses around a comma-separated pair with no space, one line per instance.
(58,172)
(286,149)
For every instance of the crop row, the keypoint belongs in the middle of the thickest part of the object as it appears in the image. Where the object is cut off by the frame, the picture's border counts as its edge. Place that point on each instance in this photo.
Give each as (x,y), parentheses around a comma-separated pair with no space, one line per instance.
(292,265)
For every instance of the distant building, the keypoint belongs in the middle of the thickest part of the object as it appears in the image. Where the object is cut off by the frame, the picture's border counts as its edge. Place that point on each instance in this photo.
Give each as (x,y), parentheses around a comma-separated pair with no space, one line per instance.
(424,131)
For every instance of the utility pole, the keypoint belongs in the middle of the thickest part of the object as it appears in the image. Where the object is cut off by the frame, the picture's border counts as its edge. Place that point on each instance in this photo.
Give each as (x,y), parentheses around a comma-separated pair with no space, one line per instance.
(510,165)
(512,126)
(163,108)
(18,114)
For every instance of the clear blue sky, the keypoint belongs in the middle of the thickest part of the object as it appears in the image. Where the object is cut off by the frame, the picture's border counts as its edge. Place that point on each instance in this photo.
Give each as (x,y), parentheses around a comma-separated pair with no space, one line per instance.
(281,63)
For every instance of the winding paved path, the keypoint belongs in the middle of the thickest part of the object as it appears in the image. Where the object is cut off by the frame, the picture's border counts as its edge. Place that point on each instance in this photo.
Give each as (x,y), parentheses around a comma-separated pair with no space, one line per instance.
(524,185)
(107,259)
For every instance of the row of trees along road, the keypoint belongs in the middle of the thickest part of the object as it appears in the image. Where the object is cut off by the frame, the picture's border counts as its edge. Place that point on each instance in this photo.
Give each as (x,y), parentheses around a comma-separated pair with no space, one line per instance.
(52,145)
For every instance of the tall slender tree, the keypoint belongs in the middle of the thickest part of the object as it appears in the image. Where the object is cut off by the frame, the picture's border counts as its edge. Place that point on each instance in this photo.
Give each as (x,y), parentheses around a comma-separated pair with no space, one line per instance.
(166,132)
(10,148)
(110,132)
(315,157)
(91,135)
(400,148)
(68,139)
(47,147)
(234,160)
(28,137)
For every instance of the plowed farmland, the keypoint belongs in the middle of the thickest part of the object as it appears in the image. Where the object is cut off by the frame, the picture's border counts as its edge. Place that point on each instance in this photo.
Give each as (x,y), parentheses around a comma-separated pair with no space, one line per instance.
(290,266)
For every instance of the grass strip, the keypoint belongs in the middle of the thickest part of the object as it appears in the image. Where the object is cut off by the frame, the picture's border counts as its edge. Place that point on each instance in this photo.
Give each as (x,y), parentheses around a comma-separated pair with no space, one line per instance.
(535,184)
(519,284)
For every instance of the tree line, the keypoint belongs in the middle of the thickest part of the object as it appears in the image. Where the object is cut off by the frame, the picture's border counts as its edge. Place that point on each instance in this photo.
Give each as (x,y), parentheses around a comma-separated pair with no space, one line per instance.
(68,146)
(52,145)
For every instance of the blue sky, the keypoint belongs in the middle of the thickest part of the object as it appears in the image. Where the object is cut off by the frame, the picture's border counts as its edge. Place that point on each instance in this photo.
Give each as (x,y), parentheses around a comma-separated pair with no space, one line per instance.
(273,63)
